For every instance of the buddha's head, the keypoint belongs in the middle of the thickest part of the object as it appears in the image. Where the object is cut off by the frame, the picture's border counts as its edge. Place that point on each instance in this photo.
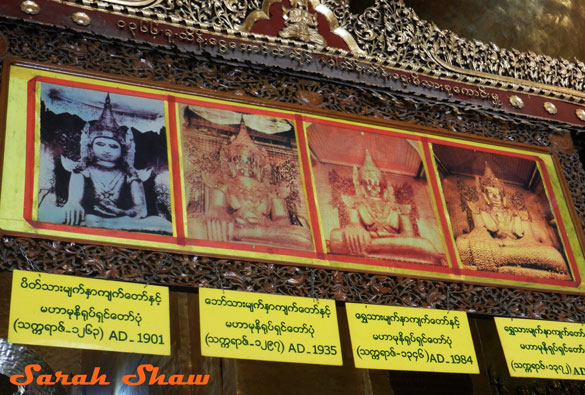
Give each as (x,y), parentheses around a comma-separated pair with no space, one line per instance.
(103,140)
(243,157)
(106,149)
(493,196)
(492,188)
(245,165)
(371,179)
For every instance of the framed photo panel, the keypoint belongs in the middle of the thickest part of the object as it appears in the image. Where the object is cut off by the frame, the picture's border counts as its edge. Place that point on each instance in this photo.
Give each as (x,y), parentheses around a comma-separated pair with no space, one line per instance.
(101,159)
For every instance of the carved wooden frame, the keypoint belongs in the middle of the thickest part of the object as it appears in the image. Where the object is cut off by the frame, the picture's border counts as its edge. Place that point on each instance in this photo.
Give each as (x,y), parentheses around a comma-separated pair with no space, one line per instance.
(387,45)
(298,115)
(52,45)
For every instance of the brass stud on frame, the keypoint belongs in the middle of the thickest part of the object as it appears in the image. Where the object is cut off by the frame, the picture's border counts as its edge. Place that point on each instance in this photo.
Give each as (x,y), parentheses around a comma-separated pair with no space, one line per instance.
(550,108)
(81,18)
(580,114)
(30,7)
(516,101)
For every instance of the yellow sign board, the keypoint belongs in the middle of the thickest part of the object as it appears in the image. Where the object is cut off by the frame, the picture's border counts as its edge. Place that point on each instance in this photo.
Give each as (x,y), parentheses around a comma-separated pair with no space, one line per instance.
(404,338)
(268,327)
(74,312)
(543,349)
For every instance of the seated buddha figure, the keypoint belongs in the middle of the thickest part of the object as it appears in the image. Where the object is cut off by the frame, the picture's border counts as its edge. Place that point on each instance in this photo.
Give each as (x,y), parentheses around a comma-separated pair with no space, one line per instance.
(501,239)
(105,190)
(378,226)
(243,205)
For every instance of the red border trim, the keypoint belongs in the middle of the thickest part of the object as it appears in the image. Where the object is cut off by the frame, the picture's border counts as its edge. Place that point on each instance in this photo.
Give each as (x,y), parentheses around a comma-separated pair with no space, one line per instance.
(103,232)
(30,148)
(320,254)
(517,278)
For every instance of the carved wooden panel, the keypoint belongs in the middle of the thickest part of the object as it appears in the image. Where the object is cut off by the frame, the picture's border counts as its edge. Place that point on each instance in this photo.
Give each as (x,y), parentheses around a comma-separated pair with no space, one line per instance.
(48,44)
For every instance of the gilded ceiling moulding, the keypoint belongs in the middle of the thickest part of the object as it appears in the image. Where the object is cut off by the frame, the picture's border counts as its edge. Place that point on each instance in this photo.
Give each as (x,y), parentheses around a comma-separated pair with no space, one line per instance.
(388,38)
(302,24)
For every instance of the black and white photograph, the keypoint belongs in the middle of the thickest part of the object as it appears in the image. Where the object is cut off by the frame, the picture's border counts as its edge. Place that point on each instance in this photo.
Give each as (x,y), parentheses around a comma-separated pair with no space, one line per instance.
(103,161)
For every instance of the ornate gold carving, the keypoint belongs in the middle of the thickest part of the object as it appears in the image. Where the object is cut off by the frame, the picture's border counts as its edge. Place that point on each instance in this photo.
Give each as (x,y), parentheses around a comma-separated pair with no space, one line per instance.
(388,34)
(81,18)
(516,102)
(580,114)
(258,14)
(30,7)
(393,33)
(550,108)
(300,24)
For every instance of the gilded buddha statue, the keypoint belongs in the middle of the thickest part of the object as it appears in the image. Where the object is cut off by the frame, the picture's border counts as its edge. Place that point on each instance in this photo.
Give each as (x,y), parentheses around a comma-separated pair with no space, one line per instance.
(379,226)
(243,205)
(502,239)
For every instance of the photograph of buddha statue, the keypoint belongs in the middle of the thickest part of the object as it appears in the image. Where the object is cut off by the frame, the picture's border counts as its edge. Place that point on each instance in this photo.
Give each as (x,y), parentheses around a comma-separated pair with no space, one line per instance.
(373,196)
(242,179)
(500,214)
(103,161)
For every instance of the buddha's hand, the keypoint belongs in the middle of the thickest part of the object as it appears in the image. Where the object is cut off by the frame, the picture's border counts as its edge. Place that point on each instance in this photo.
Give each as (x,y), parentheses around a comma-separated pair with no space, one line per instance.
(108,208)
(357,239)
(219,228)
(74,213)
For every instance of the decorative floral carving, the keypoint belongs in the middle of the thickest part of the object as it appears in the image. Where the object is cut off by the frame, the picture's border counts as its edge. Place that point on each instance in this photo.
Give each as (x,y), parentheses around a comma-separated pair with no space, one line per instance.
(519,204)
(467,194)
(387,33)
(341,186)
(404,195)
(285,175)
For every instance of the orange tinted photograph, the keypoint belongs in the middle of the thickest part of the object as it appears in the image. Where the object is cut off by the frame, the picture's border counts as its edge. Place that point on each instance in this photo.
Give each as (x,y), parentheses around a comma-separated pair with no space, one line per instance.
(373,196)
(501,217)
(242,179)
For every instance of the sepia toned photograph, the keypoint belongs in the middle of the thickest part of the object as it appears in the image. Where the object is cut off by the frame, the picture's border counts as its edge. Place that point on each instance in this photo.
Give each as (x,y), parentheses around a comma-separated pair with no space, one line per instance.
(242,179)
(103,161)
(373,196)
(500,214)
